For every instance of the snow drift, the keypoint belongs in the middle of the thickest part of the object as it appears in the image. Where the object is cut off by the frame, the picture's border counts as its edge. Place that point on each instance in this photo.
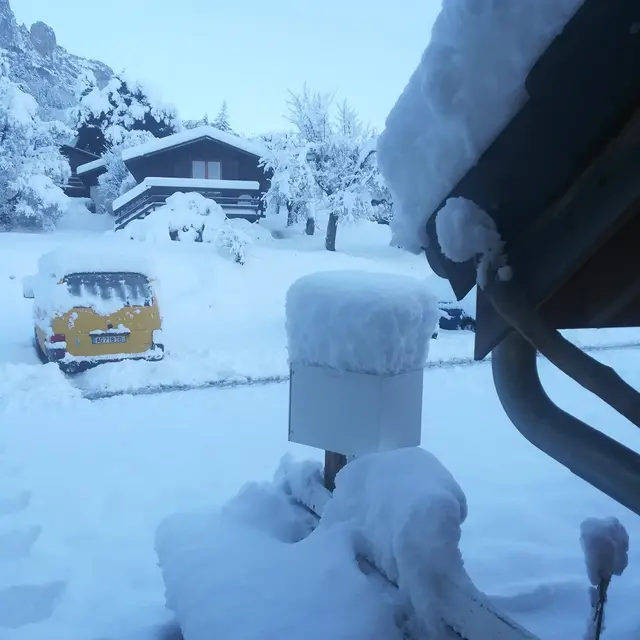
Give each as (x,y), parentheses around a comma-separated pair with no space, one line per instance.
(192,217)
(262,568)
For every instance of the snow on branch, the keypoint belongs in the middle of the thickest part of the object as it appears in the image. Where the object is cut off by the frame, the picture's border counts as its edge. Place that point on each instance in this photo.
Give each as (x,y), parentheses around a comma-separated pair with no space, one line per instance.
(606,549)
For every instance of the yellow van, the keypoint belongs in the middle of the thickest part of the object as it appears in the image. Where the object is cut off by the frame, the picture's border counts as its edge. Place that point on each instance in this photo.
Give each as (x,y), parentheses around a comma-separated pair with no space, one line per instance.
(85,315)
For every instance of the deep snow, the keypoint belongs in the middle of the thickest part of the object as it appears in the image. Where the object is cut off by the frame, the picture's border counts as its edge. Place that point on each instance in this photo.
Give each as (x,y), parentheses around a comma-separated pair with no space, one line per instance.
(98,477)
(83,485)
(221,321)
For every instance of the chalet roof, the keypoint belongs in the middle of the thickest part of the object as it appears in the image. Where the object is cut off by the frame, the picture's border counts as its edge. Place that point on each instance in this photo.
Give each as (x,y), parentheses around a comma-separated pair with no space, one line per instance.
(191,135)
(90,166)
(183,183)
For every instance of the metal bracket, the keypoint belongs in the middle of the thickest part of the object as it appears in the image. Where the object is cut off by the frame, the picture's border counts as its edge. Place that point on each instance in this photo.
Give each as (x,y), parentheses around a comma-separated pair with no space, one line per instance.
(588,453)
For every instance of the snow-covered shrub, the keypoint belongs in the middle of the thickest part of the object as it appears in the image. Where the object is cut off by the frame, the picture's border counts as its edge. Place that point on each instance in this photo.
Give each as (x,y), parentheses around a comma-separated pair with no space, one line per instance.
(606,550)
(192,217)
(31,165)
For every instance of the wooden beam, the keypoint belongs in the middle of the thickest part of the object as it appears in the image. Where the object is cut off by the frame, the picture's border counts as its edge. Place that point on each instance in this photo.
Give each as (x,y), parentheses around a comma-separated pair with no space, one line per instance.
(465,618)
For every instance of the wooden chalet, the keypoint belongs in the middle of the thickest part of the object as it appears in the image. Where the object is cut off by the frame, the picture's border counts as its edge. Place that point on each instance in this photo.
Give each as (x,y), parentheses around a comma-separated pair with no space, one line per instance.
(204,160)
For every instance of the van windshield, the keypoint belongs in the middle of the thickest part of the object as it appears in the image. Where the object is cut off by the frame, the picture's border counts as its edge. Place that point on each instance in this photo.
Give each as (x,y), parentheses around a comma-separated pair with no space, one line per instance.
(130,289)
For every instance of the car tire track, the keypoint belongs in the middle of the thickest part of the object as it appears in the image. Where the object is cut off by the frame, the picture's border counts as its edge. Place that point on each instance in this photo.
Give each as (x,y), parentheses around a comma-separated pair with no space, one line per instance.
(232,383)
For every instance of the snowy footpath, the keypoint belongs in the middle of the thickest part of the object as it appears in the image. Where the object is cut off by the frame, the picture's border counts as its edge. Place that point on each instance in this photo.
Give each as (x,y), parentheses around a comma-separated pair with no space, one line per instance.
(84,486)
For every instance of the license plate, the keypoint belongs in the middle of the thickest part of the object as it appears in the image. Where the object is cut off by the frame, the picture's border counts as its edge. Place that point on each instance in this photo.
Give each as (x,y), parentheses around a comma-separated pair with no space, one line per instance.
(108,339)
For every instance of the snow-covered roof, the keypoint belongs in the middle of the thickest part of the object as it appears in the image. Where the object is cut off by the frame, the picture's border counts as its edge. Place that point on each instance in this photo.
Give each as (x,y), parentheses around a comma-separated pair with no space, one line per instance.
(190,135)
(468,85)
(183,183)
(90,166)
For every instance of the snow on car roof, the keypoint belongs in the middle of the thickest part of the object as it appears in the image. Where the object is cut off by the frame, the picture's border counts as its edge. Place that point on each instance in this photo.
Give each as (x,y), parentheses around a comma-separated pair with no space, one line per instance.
(62,263)
(468,85)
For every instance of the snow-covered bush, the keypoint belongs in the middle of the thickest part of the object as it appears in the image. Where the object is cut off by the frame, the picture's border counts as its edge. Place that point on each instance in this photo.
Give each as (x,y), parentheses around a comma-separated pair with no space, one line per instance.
(192,217)
(31,165)
(606,550)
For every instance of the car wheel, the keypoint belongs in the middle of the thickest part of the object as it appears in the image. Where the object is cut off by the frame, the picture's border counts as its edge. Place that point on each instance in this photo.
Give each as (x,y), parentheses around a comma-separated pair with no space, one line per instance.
(39,352)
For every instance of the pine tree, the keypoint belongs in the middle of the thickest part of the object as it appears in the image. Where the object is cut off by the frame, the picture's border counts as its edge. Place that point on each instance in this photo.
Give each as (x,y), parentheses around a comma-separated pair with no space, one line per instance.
(222,119)
(123,105)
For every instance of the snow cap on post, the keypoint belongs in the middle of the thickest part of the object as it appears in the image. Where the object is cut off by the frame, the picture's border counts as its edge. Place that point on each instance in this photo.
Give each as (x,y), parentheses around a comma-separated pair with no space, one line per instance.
(113,258)
(375,323)
(358,343)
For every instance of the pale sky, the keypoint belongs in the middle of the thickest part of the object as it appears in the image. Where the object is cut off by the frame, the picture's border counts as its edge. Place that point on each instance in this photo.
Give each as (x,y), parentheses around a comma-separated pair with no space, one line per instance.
(195,53)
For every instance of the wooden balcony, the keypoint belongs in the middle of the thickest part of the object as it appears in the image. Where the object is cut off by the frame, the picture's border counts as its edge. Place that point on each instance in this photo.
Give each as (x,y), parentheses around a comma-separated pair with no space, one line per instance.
(238,198)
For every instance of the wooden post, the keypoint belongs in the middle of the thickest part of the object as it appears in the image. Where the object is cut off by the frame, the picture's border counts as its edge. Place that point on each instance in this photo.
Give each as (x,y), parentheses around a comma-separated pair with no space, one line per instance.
(333,462)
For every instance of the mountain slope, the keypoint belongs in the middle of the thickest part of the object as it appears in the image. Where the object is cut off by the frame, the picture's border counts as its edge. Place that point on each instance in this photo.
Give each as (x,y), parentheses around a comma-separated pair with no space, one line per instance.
(42,67)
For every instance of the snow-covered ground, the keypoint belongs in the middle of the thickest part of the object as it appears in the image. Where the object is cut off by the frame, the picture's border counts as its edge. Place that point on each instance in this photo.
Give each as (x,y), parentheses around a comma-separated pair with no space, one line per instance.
(84,485)
(222,321)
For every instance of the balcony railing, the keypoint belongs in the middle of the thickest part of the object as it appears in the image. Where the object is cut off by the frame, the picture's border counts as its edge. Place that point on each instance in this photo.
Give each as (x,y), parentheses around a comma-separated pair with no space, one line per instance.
(235,202)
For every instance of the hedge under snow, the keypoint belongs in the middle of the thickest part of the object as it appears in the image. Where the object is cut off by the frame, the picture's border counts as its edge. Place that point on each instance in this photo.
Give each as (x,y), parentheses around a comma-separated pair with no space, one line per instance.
(192,217)
(375,323)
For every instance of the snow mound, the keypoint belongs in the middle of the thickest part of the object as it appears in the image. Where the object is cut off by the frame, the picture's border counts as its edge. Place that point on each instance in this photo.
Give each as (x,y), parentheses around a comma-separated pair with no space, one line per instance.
(192,217)
(359,321)
(469,83)
(30,387)
(406,510)
(259,582)
(78,218)
(265,574)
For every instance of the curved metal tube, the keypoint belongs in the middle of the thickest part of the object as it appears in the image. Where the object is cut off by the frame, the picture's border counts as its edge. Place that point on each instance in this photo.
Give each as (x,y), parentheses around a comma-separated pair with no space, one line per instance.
(588,453)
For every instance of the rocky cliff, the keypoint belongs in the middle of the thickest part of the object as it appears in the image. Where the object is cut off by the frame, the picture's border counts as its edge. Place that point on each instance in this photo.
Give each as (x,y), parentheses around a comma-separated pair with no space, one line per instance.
(40,65)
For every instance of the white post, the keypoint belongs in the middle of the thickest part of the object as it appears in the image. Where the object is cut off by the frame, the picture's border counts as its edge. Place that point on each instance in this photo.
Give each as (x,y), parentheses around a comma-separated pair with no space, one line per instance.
(358,343)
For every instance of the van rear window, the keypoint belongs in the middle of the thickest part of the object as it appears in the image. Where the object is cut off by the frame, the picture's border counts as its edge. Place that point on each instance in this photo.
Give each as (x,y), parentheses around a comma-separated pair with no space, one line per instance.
(130,289)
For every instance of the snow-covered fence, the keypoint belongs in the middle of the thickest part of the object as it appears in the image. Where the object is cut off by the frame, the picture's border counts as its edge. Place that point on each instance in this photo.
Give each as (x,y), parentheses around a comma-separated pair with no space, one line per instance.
(358,343)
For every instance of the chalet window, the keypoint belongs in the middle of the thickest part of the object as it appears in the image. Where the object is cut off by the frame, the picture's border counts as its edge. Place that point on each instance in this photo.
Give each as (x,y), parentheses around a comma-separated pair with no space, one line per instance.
(206,169)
